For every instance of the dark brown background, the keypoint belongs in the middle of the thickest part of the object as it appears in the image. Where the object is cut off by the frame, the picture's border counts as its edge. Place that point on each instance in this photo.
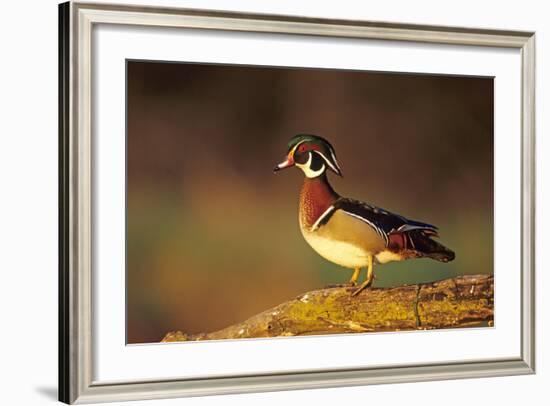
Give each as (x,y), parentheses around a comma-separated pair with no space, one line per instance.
(213,234)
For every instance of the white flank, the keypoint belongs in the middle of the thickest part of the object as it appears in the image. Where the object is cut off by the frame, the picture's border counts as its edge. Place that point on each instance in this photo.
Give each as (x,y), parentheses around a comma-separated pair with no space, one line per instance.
(370,223)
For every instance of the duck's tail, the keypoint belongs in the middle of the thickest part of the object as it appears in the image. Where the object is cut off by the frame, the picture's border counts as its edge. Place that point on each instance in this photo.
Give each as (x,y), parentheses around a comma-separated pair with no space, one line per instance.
(424,244)
(419,243)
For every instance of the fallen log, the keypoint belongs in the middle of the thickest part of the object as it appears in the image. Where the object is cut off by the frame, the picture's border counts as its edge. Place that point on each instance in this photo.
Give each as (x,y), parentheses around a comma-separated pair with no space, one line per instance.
(457,302)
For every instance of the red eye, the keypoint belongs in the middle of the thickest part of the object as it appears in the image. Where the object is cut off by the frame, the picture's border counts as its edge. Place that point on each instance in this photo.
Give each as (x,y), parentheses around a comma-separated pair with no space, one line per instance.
(302,148)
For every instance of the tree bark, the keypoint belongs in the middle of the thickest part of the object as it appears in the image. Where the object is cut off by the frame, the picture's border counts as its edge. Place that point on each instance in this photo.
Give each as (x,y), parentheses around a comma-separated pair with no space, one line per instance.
(457,302)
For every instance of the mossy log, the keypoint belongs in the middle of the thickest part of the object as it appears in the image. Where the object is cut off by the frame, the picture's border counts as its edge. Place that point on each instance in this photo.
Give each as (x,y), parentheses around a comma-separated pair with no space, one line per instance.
(457,302)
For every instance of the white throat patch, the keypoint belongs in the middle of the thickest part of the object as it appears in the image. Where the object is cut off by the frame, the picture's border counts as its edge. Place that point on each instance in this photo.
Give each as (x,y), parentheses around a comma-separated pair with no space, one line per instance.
(310,173)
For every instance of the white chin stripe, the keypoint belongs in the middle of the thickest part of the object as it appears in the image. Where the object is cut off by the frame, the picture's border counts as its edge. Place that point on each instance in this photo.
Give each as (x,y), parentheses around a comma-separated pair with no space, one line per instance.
(308,171)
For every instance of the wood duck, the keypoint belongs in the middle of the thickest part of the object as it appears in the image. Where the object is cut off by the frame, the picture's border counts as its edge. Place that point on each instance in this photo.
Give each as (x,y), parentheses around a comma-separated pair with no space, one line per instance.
(348,232)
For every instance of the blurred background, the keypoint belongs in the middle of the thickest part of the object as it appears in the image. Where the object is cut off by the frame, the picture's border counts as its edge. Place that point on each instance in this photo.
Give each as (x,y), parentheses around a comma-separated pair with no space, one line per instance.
(213,234)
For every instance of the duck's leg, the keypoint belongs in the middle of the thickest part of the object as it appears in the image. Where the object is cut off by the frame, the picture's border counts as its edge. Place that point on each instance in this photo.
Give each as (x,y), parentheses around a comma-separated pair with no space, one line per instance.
(355,276)
(370,277)
(352,282)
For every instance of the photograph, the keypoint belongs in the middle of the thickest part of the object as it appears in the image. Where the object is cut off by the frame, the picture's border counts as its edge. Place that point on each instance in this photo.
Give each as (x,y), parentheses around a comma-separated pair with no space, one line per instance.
(289,201)
(260,200)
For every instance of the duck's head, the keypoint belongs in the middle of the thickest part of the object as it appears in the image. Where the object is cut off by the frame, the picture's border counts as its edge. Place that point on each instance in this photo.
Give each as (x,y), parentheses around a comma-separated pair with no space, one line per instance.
(312,154)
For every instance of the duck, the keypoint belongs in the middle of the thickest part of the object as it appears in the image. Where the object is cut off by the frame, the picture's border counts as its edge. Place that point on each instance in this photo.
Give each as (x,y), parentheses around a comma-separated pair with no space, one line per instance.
(351,233)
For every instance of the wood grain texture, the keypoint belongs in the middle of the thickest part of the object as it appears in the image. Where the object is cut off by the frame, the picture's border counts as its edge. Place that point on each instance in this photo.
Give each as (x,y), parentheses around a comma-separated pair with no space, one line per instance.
(457,302)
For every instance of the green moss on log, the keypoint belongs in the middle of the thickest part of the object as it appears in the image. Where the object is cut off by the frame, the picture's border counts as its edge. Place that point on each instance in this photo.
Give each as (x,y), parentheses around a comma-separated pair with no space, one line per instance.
(457,302)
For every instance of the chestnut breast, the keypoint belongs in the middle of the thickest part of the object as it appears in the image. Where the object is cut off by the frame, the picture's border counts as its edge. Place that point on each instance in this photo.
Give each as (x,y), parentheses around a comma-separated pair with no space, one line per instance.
(316,197)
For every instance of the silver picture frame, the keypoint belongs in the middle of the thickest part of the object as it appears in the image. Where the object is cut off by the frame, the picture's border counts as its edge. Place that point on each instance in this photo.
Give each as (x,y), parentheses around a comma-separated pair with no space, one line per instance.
(76,21)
